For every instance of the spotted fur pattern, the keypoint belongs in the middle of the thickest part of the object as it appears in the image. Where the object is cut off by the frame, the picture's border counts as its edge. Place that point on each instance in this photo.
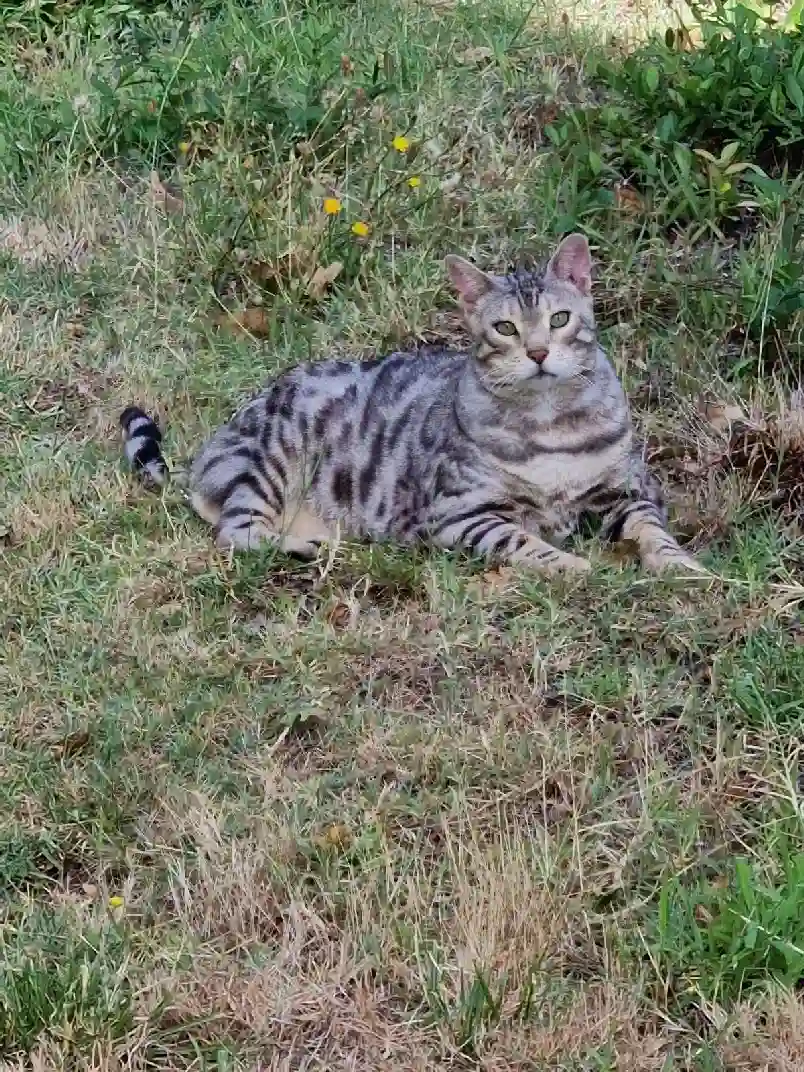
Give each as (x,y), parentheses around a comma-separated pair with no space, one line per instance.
(500,451)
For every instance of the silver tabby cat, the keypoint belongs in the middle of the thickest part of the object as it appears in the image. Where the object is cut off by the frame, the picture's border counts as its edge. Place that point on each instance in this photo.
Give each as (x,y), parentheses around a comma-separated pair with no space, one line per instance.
(501,451)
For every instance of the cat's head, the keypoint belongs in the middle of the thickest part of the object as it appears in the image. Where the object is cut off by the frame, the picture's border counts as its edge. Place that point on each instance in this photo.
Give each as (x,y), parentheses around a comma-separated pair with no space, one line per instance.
(531,328)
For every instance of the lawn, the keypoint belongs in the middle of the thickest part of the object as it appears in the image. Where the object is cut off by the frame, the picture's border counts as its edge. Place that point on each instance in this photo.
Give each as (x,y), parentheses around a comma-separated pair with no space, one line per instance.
(392,810)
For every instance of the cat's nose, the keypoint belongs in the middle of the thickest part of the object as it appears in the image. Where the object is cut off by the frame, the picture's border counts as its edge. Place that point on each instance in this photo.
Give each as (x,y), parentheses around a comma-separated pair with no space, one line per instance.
(538,355)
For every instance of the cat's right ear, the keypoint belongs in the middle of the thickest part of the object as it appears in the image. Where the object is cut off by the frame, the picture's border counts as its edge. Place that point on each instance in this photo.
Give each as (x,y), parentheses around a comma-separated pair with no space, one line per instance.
(470,283)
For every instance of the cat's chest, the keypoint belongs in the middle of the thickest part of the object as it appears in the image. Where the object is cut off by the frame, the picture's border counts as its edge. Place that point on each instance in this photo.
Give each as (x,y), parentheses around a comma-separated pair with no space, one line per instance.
(563,479)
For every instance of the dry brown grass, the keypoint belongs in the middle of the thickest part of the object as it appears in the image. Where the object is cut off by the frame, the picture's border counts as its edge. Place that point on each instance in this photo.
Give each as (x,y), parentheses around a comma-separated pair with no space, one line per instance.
(398,812)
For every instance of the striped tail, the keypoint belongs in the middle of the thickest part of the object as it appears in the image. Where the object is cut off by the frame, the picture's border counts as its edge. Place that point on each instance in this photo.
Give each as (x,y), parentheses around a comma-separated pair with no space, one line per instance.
(141,439)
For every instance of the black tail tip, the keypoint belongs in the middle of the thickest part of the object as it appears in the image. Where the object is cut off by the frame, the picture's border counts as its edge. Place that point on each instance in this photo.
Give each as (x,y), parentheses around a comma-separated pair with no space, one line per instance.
(133,413)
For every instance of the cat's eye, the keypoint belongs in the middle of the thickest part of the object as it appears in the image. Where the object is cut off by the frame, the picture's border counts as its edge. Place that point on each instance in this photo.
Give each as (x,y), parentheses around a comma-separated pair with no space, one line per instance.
(559,320)
(504,327)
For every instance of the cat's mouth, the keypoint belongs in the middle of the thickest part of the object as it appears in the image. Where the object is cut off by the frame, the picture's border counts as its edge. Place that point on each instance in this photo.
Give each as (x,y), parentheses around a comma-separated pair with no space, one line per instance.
(541,375)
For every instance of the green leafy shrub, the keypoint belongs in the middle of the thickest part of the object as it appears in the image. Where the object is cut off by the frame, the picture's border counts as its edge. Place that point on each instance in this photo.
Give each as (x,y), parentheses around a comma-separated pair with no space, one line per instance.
(705,132)
(743,84)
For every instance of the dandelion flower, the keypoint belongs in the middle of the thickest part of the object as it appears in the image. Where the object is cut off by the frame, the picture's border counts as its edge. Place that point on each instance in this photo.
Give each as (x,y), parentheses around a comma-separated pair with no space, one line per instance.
(116,901)
(332,206)
(360,229)
(401,143)
(414,182)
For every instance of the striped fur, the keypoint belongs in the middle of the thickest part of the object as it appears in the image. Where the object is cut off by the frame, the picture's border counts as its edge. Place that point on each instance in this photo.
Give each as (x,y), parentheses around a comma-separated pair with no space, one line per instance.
(141,445)
(501,451)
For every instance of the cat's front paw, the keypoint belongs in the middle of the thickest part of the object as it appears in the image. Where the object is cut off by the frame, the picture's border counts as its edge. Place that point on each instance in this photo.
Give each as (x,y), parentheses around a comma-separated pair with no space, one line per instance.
(676,561)
(552,560)
(567,563)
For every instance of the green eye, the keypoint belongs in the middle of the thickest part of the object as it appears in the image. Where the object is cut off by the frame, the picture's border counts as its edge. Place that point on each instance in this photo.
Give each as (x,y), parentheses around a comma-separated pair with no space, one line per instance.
(504,327)
(559,320)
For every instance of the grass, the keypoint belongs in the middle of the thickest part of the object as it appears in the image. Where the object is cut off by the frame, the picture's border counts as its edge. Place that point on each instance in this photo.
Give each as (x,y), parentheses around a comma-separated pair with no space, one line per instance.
(397,812)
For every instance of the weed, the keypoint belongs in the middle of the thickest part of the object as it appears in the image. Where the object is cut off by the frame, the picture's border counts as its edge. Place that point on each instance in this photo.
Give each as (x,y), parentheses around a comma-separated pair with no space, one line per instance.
(62,984)
(720,940)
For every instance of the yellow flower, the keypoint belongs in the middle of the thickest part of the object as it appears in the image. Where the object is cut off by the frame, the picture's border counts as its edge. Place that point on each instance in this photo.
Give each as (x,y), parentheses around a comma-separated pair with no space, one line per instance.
(360,229)
(116,902)
(184,146)
(401,143)
(332,206)
(414,182)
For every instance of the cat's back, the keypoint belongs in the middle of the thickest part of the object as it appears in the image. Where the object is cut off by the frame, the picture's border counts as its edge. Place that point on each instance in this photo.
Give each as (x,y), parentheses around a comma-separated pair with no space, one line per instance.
(343,400)
(368,434)
(385,377)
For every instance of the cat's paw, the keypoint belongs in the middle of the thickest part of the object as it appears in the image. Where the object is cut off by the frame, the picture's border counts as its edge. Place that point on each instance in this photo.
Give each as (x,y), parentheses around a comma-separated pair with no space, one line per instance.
(567,563)
(299,548)
(257,536)
(673,562)
(552,561)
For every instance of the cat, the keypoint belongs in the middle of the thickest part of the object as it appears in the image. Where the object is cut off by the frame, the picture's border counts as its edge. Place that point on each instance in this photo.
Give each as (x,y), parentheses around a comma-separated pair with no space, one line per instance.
(501,451)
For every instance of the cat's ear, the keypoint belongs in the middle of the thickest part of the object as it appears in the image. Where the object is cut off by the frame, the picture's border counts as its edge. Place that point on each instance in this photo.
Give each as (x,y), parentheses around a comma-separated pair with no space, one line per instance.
(572,263)
(468,280)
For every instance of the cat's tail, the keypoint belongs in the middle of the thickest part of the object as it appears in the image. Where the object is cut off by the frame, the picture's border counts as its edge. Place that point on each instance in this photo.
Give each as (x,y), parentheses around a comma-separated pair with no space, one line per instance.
(141,446)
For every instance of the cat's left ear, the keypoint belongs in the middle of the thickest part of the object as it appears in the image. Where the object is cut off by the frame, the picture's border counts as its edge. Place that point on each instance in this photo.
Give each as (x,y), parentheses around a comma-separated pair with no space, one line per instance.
(470,283)
(572,263)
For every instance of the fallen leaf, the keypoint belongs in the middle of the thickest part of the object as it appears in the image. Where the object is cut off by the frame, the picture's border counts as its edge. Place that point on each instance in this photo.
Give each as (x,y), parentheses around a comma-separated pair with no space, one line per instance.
(272,275)
(628,201)
(162,197)
(703,915)
(323,278)
(478,54)
(340,616)
(493,581)
(251,321)
(337,836)
(74,743)
(722,415)
(452,182)
(262,271)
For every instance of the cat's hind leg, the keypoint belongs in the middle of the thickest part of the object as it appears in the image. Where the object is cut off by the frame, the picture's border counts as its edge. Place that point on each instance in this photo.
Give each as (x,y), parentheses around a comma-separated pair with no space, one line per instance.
(241,490)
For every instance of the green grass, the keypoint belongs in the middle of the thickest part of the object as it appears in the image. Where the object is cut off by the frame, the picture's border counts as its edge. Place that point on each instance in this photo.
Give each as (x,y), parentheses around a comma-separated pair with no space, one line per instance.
(400,812)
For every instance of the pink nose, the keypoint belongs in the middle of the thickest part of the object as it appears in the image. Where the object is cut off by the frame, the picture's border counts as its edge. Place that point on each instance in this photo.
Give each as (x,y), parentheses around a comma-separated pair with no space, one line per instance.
(538,355)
